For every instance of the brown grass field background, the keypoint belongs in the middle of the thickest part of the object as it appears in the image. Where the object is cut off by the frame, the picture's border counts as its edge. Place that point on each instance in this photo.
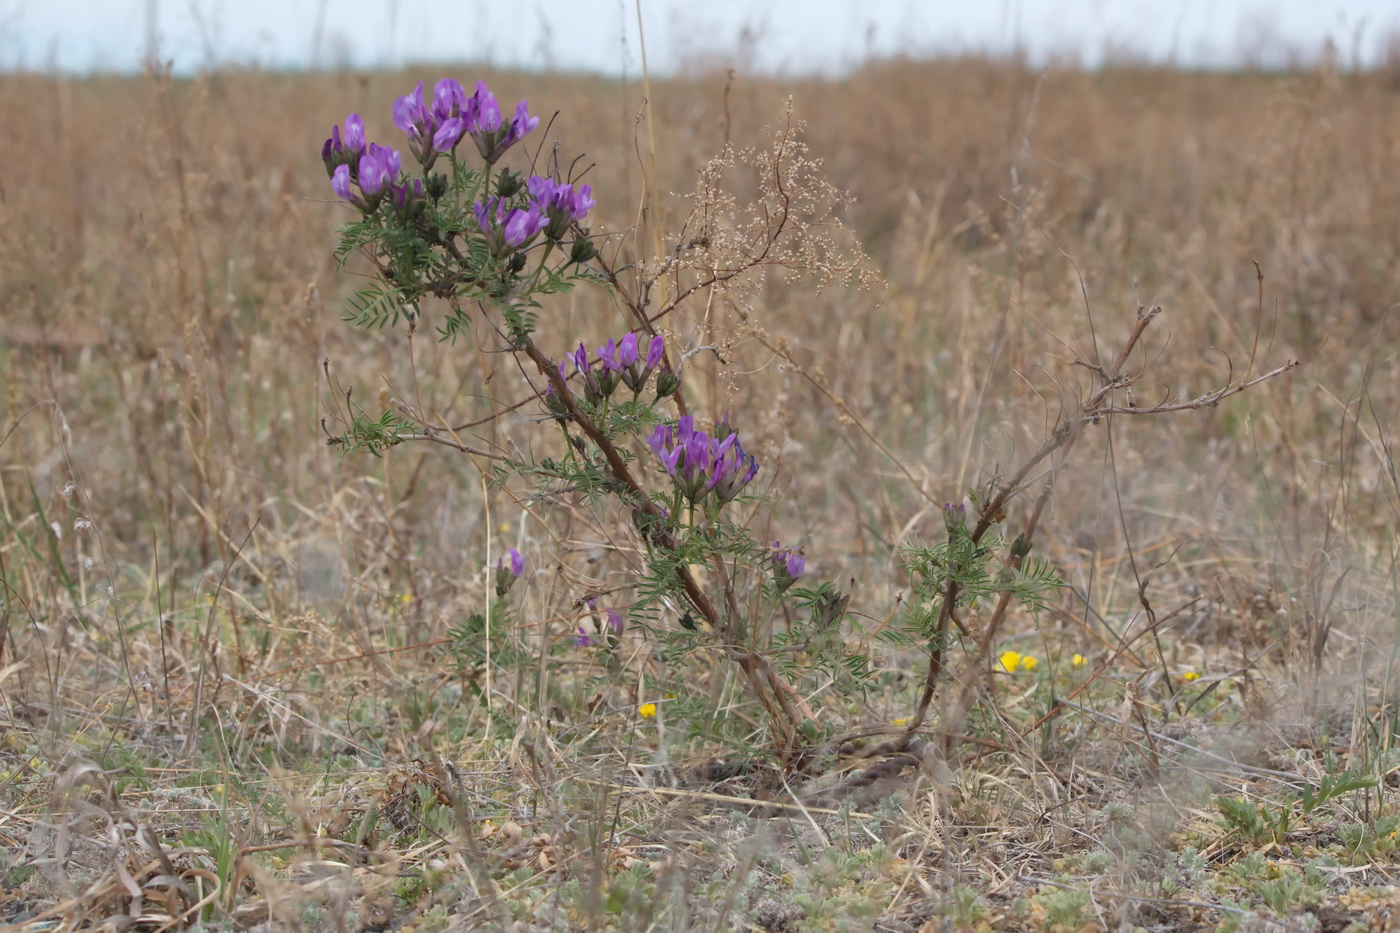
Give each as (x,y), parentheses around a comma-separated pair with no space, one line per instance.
(199,593)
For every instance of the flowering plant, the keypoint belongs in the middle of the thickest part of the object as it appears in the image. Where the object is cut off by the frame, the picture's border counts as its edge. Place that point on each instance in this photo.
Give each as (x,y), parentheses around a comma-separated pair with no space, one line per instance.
(459,236)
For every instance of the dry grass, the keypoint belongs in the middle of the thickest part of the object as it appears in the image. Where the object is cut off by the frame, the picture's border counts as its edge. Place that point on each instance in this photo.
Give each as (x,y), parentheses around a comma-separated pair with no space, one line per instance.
(224,694)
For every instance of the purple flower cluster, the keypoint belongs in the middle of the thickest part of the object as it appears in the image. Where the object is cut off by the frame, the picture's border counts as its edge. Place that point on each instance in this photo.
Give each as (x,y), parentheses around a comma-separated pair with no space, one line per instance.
(507,228)
(553,208)
(788,565)
(452,115)
(700,464)
(353,163)
(372,168)
(561,204)
(617,362)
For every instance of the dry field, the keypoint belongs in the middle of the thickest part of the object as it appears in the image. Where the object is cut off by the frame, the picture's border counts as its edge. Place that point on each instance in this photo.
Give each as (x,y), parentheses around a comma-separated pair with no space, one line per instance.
(230,694)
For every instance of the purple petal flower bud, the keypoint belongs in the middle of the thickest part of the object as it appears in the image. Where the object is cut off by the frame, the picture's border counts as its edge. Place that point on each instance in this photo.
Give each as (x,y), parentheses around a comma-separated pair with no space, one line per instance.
(354,133)
(608,354)
(487,110)
(615,621)
(521,125)
(522,226)
(409,113)
(654,352)
(448,100)
(508,573)
(449,134)
(340,182)
(581,640)
(627,350)
(372,176)
(483,120)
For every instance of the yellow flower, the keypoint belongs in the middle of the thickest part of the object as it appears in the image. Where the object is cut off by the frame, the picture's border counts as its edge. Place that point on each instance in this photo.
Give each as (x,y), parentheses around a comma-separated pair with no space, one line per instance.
(1010,660)
(646,710)
(1028,663)
(901,721)
(1079,660)
(1190,676)
(406,598)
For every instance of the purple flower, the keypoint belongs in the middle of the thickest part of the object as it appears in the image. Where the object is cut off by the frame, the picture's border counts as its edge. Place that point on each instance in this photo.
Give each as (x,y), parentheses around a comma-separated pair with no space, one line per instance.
(375,173)
(449,100)
(627,350)
(615,621)
(522,226)
(581,640)
(658,347)
(508,573)
(406,198)
(337,152)
(449,134)
(436,129)
(788,565)
(507,230)
(608,354)
(378,167)
(355,133)
(562,204)
(340,182)
(493,137)
(699,464)
(413,116)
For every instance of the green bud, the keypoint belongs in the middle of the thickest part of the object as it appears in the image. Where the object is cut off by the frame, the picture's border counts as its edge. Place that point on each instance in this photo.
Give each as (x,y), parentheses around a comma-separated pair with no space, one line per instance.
(437,186)
(517,263)
(582,250)
(667,384)
(1020,547)
(508,184)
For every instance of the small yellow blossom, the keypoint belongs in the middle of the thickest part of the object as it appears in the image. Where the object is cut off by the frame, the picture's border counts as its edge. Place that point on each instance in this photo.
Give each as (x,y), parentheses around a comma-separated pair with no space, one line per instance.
(646,710)
(1012,661)
(1191,675)
(406,598)
(901,721)
(504,528)
(1079,660)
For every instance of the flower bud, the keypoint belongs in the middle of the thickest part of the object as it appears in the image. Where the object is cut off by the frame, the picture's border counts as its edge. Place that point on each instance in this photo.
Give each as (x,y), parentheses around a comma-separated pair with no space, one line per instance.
(667,384)
(517,263)
(829,608)
(509,183)
(508,570)
(1020,547)
(788,565)
(556,405)
(437,186)
(582,251)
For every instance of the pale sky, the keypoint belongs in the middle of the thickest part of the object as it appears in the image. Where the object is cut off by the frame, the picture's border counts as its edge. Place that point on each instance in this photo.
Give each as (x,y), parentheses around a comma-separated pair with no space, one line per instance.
(793,36)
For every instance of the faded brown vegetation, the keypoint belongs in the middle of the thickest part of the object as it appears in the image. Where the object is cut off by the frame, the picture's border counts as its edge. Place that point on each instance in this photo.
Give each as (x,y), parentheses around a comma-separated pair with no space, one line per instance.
(243,632)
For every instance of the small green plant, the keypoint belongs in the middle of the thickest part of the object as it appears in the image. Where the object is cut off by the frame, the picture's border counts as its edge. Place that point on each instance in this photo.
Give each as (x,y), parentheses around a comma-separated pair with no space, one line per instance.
(965,907)
(1288,892)
(1062,910)
(1257,823)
